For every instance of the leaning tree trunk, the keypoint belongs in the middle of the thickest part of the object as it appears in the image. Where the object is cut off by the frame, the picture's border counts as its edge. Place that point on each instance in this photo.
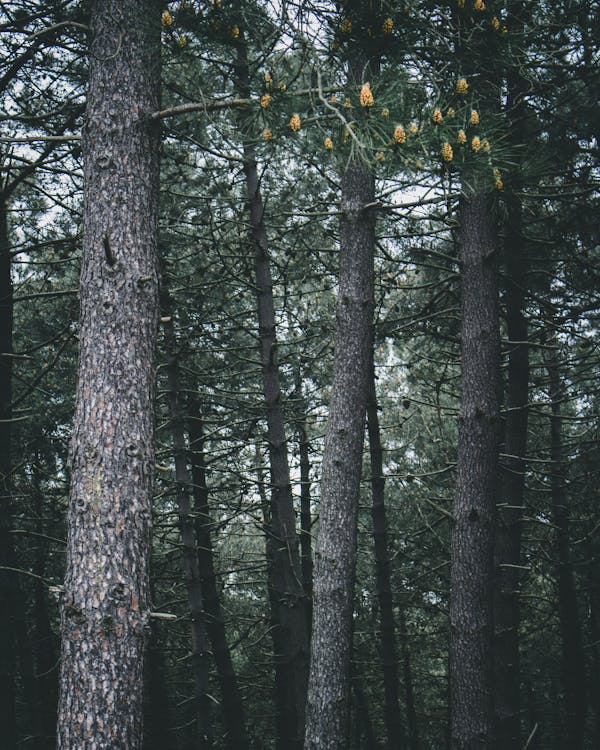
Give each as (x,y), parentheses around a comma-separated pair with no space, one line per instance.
(573,659)
(329,684)
(290,616)
(105,607)
(472,538)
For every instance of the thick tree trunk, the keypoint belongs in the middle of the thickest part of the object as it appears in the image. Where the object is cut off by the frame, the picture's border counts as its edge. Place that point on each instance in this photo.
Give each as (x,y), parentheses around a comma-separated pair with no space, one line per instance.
(233,706)
(191,563)
(573,660)
(292,653)
(507,551)
(389,656)
(472,538)
(105,606)
(329,688)
(8,582)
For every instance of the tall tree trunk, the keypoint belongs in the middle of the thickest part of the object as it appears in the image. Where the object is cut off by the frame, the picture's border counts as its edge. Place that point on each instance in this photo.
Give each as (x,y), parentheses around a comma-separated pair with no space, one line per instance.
(233,706)
(573,660)
(8,582)
(305,502)
(45,648)
(191,563)
(105,607)
(287,573)
(412,723)
(393,722)
(507,552)
(507,543)
(329,682)
(472,539)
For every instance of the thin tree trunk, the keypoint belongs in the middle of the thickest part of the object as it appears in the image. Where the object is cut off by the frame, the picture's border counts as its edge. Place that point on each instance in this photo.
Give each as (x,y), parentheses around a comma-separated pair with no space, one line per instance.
(157,713)
(233,706)
(472,539)
(507,544)
(45,646)
(191,564)
(414,742)
(393,722)
(507,550)
(105,607)
(8,582)
(287,572)
(329,682)
(305,513)
(573,660)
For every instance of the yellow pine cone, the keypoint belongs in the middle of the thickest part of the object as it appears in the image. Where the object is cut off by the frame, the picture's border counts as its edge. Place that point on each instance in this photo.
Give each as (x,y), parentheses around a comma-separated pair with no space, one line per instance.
(366,96)
(462,86)
(399,134)
(265,100)
(474,119)
(166,19)
(461,137)
(437,116)
(295,123)
(447,152)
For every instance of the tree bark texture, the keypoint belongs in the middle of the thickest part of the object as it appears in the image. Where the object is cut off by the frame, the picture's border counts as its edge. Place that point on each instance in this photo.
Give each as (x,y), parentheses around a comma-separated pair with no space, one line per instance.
(472,538)
(286,570)
(8,582)
(232,703)
(389,654)
(191,565)
(329,681)
(573,660)
(105,606)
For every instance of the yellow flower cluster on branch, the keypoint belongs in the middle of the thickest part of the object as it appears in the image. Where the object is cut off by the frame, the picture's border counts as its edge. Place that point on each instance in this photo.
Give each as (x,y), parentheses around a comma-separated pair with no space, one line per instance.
(346,26)
(495,23)
(475,143)
(235,31)
(447,152)
(462,86)
(295,123)
(461,137)
(328,143)
(166,19)
(474,119)
(399,134)
(366,96)
(267,134)
(265,100)
(437,116)
(479,5)
(388,26)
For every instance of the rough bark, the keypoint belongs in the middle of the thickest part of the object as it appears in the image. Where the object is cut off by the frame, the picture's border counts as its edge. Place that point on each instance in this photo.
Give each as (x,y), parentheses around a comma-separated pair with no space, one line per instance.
(328,692)
(8,583)
(389,655)
(232,703)
(105,605)
(472,538)
(191,565)
(573,660)
(292,653)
